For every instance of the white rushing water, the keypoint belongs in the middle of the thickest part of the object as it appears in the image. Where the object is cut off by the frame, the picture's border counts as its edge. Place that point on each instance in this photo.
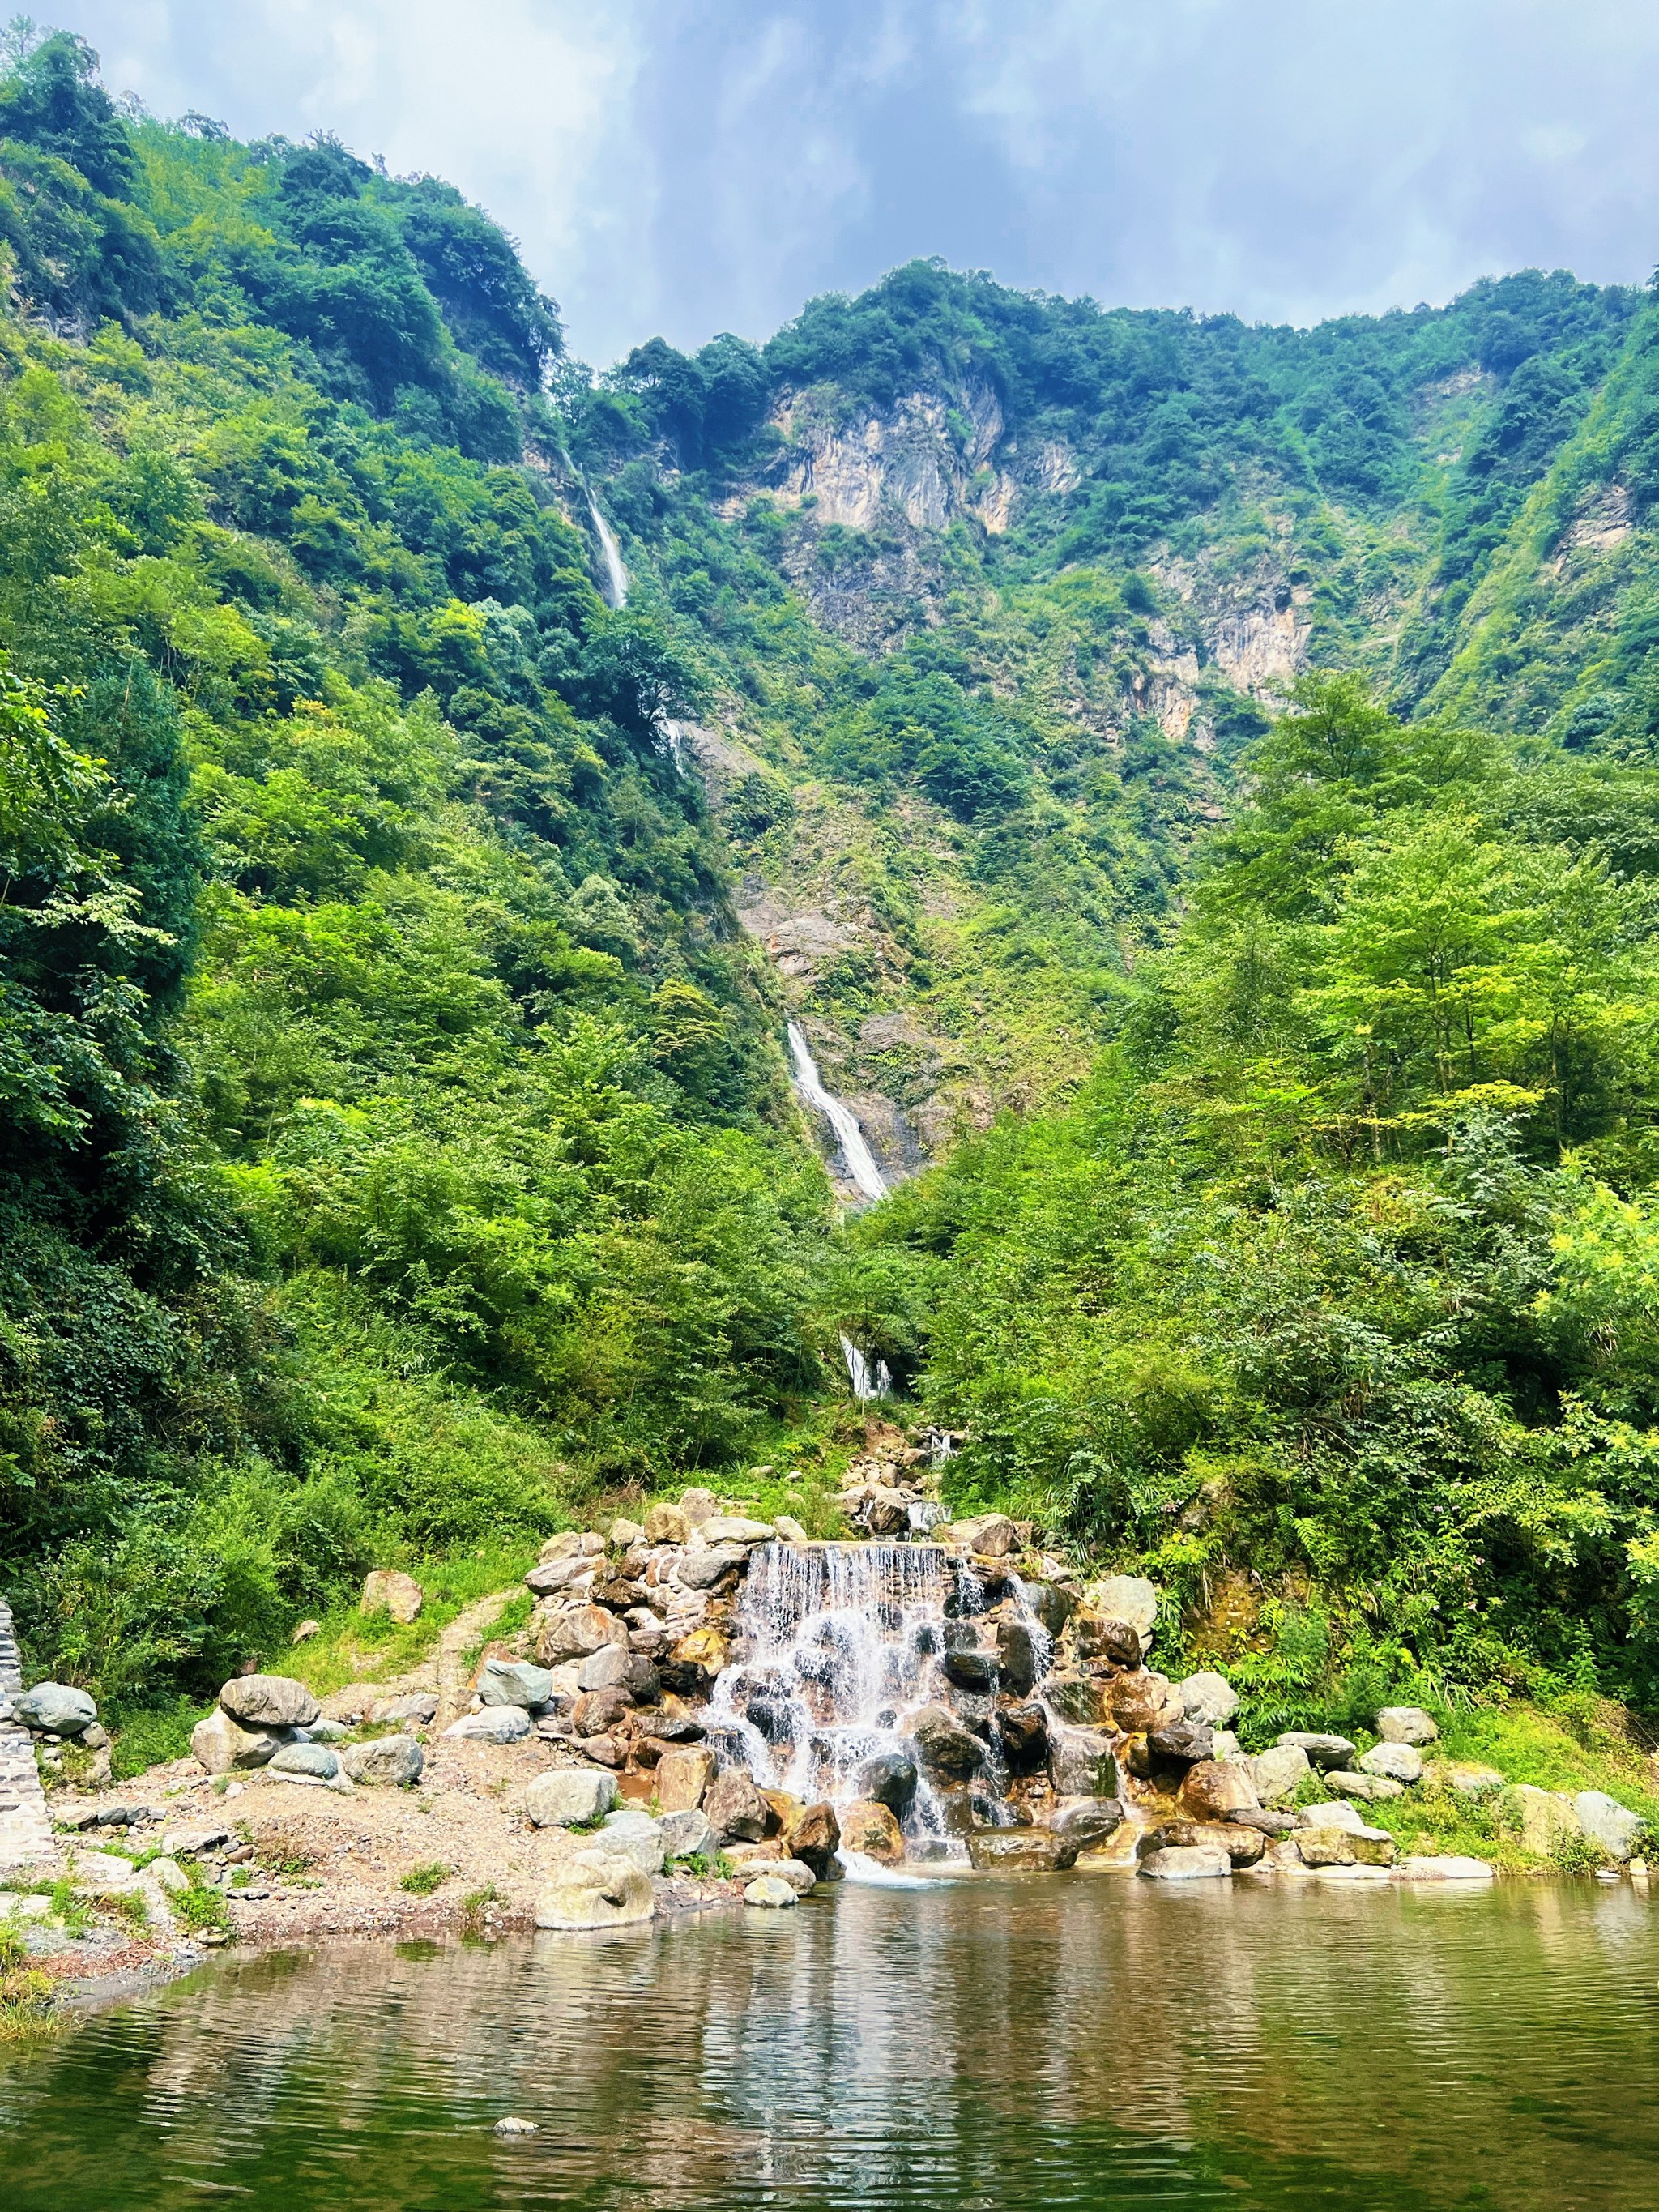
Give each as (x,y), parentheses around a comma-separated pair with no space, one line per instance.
(842,1641)
(868,1382)
(616,575)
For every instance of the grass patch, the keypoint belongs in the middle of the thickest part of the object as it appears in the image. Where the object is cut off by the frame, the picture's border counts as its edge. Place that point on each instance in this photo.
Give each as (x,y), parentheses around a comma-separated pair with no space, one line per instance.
(149,1735)
(421,1880)
(477,1902)
(202,1908)
(26,1994)
(349,1647)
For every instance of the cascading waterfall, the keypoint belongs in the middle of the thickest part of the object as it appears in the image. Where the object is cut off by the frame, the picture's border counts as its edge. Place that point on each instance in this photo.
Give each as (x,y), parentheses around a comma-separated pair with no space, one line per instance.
(841,1642)
(868,1382)
(616,575)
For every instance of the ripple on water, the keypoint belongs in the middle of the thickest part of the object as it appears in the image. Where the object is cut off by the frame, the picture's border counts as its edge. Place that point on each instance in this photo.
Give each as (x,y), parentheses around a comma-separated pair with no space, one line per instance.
(1072,2041)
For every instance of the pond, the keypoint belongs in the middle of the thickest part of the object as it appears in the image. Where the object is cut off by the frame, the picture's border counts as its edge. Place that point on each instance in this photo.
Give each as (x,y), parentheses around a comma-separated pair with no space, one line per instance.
(1073,2040)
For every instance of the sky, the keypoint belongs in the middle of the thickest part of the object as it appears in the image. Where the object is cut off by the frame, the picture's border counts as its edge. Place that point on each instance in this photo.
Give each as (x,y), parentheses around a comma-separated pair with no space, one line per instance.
(684,168)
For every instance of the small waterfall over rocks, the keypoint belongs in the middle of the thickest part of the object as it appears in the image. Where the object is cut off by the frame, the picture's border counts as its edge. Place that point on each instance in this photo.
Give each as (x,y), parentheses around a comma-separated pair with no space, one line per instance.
(869,1380)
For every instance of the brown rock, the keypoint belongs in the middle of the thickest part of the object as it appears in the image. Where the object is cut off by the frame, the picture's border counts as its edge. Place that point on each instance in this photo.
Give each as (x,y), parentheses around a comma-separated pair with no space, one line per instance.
(1245,1846)
(1214,1787)
(388,1591)
(946,1748)
(734,1808)
(666,1524)
(705,1648)
(597,1711)
(871,1828)
(1139,1701)
(604,1751)
(576,1631)
(1097,1637)
(1025,1733)
(1021,1851)
(815,1837)
(683,1778)
(785,1811)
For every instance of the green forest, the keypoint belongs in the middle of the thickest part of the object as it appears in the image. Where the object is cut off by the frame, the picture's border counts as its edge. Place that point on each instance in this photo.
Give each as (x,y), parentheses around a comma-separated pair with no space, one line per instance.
(1211,773)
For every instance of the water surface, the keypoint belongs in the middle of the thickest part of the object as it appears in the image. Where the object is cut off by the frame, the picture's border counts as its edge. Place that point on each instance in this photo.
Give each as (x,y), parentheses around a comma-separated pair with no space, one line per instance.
(1087,2041)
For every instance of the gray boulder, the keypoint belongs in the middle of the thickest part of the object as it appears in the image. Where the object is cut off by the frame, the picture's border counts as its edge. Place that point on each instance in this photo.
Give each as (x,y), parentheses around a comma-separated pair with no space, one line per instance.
(946,1748)
(596,1889)
(1186,1863)
(55,1709)
(1087,1820)
(1129,1598)
(1399,1762)
(1610,1824)
(1209,1697)
(1279,1773)
(1369,1788)
(616,1667)
(220,1743)
(515,1682)
(888,1778)
(271,1701)
(635,1835)
(316,1759)
(1080,1762)
(496,1725)
(686,1835)
(702,1569)
(390,1762)
(770,1891)
(1322,1750)
(568,1796)
(1406,1724)
(1337,1813)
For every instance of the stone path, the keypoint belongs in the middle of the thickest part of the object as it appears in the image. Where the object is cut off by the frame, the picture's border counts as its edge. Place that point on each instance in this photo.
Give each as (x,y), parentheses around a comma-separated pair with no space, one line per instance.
(454,1677)
(25,1824)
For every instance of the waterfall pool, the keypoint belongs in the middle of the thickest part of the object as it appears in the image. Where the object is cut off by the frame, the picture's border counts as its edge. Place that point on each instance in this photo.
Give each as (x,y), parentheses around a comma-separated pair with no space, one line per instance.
(1005,2043)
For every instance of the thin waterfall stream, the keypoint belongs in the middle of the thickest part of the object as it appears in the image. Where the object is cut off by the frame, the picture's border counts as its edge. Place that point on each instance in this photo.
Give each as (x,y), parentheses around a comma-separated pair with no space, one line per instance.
(868,1380)
(616,575)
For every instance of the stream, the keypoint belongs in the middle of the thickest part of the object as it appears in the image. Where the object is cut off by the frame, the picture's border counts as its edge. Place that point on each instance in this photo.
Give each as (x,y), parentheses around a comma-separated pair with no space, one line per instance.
(1077,2041)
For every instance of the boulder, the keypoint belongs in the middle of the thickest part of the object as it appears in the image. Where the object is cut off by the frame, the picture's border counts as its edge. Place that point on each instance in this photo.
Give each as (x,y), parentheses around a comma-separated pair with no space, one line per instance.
(635,1835)
(815,1837)
(1129,1598)
(702,1569)
(992,1535)
(596,1712)
(192,1842)
(705,1649)
(55,1709)
(771,1891)
(968,1662)
(568,1796)
(388,1762)
(699,1507)
(1610,1824)
(1075,1697)
(1227,1745)
(949,1751)
(1086,1821)
(1021,1851)
(1279,1773)
(516,1682)
(1188,1863)
(1051,1605)
(785,1810)
(1336,1813)
(1328,1846)
(1080,1763)
(1322,1750)
(1268,1824)
(800,1876)
(419,1705)
(1183,1745)
(576,1631)
(1243,1846)
(683,1778)
(1464,1777)
(732,1530)
(622,1535)
(616,1668)
(221,1744)
(269,1701)
(735,1809)
(1449,1869)
(567,1545)
(666,1524)
(103,1873)
(1024,1729)
(168,1877)
(1208,1697)
(888,1778)
(316,1759)
(327,1731)
(1537,1819)
(306,1631)
(1397,1762)
(1094,1636)
(790,1530)
(1406,1724)
(1369,1788)
(398,1595)
(552,1575)
(686,1835)
(870,1828)
(595,1889)
(1209,1792)
(885,1510)
(496,1725)
(1139,1700)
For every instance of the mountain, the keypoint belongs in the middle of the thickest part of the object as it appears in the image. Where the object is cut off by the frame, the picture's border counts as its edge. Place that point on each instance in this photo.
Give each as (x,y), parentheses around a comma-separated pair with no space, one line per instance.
(1192,784)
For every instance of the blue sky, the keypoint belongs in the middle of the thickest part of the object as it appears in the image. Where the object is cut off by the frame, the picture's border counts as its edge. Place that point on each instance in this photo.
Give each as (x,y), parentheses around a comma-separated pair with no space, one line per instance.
(689,169)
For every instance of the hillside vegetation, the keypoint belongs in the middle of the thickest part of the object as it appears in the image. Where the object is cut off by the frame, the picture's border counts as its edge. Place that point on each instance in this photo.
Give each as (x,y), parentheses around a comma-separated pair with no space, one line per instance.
(1194,785)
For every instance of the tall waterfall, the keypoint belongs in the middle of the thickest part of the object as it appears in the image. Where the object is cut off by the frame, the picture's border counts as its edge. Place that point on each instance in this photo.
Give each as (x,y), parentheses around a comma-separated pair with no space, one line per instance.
(868,1382)
(842,1642)
(616,576)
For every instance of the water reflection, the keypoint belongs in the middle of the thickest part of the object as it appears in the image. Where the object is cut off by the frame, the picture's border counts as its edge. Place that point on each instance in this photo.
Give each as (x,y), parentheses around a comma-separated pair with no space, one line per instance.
(1070,2042)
